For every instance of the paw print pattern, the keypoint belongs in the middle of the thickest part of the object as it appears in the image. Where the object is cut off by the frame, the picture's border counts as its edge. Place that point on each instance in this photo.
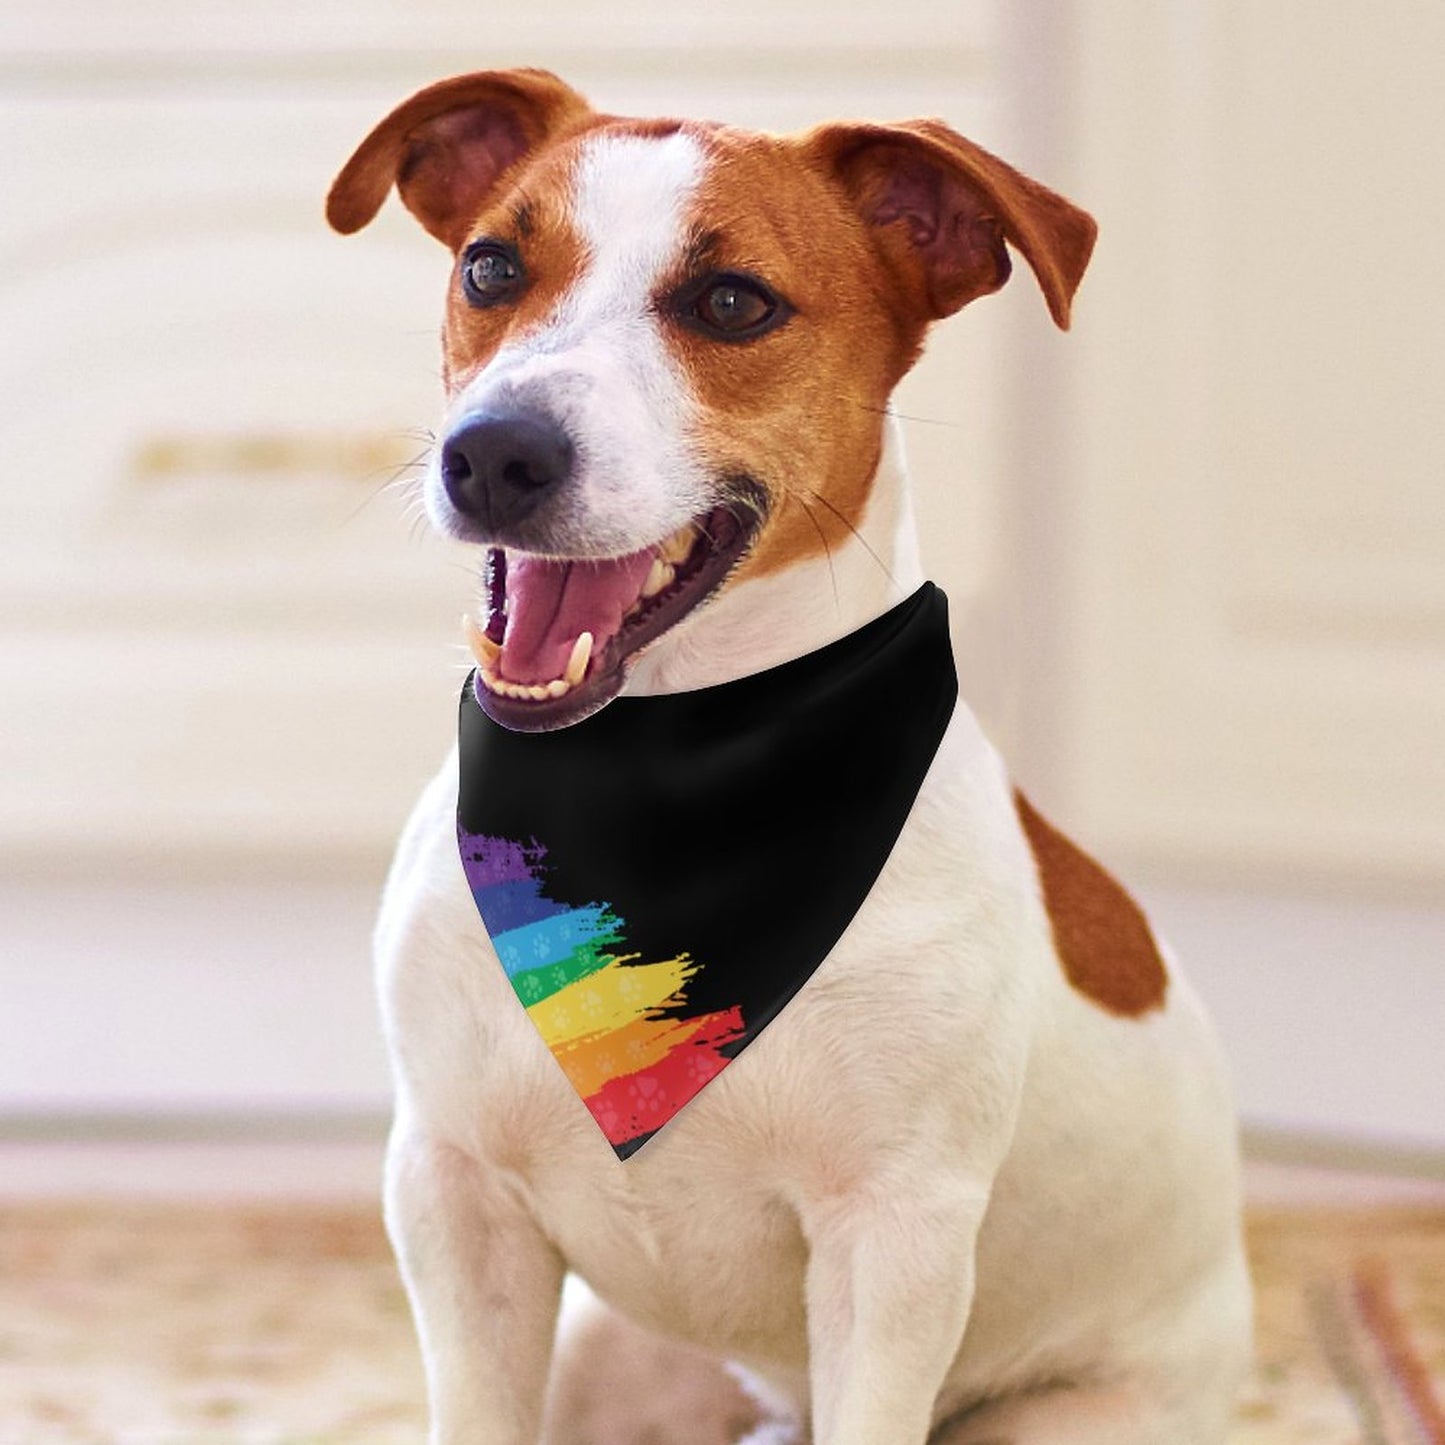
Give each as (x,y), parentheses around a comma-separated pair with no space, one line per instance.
(649,1100)
(702,1065)
(623,1026)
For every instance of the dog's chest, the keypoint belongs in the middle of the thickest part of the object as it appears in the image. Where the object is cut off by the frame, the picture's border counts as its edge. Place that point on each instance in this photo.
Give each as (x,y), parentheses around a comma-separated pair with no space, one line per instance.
(700,1224)
(659,880)
(699,1232)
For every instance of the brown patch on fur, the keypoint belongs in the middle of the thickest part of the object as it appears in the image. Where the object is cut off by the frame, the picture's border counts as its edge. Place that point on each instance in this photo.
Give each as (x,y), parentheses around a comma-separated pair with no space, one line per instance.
(799,408)
(1100,933)
(446,148)
(870,233)
(531,211)
(942,208)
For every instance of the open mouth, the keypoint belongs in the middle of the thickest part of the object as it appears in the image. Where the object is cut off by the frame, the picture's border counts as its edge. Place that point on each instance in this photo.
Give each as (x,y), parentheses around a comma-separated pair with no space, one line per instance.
(559,631)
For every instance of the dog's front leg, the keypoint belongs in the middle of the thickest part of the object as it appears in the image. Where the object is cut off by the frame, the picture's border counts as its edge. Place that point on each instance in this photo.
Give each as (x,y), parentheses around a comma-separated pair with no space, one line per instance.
(484,1285)
(889,1287)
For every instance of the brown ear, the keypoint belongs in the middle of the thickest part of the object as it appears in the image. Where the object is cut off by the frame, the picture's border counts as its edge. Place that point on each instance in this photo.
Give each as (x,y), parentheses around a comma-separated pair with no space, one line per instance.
(943,208)
(447,147)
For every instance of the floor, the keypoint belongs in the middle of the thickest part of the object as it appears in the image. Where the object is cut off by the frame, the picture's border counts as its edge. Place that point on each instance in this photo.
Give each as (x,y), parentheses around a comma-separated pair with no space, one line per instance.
(187,1293)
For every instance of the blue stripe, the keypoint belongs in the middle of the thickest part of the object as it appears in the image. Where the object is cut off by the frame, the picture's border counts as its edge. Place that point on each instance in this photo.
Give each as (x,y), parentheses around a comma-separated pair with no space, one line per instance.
(514,903)
(550,940)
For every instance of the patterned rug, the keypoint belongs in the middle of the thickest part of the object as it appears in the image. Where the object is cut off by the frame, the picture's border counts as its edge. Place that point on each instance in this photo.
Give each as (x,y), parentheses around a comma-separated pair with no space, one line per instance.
(264,1325)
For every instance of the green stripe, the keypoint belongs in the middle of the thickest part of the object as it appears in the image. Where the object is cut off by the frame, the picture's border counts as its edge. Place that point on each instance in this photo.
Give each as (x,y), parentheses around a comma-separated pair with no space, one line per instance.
(535,984)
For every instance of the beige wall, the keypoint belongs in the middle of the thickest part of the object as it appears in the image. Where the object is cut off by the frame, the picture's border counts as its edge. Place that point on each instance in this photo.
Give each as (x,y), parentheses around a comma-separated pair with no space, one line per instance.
(1259,514)
(1196,548)
(206,390)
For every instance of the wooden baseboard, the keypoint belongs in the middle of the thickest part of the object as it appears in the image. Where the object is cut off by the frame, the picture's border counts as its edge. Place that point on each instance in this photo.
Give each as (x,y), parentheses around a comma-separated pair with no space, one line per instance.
(1263,1143)
(1354,1154)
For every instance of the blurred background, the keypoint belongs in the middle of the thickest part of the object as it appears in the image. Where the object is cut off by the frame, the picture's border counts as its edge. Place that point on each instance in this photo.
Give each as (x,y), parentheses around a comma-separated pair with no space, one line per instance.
(1195,548)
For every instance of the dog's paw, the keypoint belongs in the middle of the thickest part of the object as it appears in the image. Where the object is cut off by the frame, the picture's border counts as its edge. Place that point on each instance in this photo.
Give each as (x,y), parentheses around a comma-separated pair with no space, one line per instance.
(614,1383)
(777,1421)
(776,1432)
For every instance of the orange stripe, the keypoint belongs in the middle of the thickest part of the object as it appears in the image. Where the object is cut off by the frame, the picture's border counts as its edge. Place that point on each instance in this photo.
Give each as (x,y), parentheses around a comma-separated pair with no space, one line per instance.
(593,1062)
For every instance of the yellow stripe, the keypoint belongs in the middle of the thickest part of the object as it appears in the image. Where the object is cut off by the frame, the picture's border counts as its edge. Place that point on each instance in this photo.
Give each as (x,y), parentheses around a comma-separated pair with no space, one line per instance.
(591,1063)
(609,999)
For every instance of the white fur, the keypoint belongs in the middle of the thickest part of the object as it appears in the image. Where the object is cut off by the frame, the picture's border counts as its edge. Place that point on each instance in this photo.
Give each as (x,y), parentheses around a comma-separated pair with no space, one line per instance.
(940,1181)
(745,629)
(599,365)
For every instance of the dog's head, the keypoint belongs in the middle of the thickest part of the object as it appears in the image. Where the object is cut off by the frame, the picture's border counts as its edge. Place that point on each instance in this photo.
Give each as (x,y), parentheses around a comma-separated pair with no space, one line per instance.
(665,339)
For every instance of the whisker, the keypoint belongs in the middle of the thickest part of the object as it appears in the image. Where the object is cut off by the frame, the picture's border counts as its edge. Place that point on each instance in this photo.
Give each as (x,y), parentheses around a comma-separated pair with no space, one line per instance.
(888,571)
(406,479)
(399,480)
(904,416)
(823,537)
(406,475)
(739,502)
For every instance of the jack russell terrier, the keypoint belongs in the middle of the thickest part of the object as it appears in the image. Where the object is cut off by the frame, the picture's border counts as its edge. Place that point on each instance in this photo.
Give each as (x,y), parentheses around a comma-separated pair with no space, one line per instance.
(977,1179)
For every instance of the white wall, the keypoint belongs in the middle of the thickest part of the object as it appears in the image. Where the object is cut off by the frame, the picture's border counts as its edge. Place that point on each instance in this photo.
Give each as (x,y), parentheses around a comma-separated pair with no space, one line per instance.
(218,639)
(1196,547)
(198,998)
(1258,569)
(253,1001)
(1247,589)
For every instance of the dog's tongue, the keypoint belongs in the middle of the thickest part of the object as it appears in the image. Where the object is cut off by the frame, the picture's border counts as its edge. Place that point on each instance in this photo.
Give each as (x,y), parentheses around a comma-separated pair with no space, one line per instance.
(550,603)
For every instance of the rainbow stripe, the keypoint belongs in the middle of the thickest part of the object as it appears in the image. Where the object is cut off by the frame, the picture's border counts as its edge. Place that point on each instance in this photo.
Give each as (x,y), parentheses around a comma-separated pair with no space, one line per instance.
(618,1026)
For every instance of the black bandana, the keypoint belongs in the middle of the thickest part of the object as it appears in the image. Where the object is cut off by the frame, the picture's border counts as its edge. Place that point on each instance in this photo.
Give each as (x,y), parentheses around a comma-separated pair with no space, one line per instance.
(662,877)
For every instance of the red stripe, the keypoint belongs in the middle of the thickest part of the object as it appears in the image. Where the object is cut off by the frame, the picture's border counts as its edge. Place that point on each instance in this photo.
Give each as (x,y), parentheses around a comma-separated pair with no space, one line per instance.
(634,1104)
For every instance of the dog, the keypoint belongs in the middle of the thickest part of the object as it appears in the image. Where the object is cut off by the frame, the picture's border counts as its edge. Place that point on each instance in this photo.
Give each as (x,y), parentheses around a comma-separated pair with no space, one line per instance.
(640,313)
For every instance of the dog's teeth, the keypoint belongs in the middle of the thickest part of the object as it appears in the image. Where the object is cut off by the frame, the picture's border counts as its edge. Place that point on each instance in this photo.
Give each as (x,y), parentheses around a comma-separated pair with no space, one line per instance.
(577,663)
(484,650)
(501,686)
(659,576)
(679,544)
(535,691)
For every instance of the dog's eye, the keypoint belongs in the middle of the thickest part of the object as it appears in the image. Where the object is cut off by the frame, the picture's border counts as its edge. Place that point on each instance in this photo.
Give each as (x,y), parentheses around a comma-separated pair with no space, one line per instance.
(736,307)
(491,273)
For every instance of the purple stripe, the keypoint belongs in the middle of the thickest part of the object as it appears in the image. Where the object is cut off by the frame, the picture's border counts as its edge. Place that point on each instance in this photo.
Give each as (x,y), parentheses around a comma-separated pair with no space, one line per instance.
(500,860)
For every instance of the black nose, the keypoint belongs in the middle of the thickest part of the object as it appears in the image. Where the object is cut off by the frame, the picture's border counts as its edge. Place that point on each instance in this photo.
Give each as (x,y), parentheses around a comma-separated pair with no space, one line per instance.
(496,469)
